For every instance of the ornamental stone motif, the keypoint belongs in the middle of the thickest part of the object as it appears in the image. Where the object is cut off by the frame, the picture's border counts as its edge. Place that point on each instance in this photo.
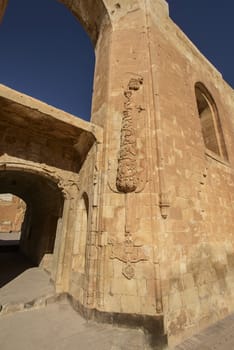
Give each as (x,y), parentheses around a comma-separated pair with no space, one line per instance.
(127,179)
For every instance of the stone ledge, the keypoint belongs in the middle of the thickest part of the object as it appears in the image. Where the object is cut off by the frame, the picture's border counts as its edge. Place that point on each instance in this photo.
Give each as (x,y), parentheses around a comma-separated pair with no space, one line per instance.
(151,325)
(36,303)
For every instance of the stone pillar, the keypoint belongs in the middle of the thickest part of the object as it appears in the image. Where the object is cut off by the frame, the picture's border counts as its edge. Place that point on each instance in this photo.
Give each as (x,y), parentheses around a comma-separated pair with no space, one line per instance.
(64,242)
(59,265)
(130,218)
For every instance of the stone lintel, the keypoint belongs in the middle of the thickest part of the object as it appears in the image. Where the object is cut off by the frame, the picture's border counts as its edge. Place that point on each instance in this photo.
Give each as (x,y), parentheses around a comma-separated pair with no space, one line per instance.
(25,112)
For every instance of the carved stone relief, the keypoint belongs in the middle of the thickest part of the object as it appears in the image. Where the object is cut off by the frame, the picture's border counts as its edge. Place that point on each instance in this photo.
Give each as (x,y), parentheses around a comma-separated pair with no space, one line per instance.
(129,253)
(127,180)
(128,173)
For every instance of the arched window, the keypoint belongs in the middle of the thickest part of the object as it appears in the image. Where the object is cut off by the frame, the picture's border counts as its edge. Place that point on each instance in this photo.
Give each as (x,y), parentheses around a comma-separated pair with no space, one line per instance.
(210,122)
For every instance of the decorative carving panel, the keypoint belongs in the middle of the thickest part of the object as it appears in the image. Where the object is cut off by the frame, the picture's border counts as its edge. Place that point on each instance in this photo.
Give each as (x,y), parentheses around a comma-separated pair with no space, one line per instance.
(128,253)
(129,174)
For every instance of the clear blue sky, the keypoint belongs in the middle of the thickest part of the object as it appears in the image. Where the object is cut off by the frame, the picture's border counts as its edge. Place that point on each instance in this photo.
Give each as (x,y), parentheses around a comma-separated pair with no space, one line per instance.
(46,54)
(210,26)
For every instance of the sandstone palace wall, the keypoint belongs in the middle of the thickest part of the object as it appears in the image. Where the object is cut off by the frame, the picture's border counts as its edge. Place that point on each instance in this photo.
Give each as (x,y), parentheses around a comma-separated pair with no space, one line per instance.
(138,226)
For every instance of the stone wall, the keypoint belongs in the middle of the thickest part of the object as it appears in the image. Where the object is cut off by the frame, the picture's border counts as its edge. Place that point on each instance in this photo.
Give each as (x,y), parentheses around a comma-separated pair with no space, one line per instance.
(145,225)
(12,210)
(196,243)
(41,153)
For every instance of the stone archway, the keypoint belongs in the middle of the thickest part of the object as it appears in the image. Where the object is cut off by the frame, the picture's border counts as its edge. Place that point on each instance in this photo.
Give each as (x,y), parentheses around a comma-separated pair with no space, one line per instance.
(91,14)
(41,153)
(123,261)
(44,207)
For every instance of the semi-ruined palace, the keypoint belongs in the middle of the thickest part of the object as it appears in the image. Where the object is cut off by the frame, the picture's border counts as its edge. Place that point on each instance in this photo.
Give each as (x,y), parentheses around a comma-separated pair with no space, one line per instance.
(132,213)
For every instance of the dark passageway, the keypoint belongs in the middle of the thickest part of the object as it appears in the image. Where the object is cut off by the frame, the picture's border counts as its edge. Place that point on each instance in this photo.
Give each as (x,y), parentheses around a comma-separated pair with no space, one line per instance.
(44,205)
(12,264)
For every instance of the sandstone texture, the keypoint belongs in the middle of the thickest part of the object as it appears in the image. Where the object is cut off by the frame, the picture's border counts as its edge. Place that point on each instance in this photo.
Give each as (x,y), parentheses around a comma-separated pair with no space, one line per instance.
(12,211)
(132,213)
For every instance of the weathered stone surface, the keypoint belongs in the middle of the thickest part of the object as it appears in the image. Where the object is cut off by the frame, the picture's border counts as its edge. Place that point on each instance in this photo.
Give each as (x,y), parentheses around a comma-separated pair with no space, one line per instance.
(12,210)
(152,173)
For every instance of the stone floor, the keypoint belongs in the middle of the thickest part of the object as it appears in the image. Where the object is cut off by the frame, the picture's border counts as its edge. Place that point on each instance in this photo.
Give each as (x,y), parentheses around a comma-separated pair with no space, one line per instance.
(31,319)
(55,325)
(59,327)
(31,284)
(220,336)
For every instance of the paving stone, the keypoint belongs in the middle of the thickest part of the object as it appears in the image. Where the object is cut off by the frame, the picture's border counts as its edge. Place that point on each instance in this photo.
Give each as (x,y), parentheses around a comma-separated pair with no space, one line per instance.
(220,336)
(59,327)
(28,286)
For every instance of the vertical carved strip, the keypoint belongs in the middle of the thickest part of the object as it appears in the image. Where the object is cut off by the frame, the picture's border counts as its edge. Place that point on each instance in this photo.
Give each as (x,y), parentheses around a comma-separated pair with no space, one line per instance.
(155,124)
(164,204)
(127,179)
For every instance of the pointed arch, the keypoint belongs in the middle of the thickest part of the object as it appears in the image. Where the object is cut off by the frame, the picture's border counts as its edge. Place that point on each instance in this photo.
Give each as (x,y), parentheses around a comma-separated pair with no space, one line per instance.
(210,122)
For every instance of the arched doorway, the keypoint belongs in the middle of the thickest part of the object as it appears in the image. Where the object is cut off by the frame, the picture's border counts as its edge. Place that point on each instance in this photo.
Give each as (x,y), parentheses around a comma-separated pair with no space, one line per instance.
(12,212)
(44,203)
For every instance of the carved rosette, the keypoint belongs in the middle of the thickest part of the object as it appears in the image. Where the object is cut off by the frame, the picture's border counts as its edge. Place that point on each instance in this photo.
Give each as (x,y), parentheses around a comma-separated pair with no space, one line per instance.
(127,179)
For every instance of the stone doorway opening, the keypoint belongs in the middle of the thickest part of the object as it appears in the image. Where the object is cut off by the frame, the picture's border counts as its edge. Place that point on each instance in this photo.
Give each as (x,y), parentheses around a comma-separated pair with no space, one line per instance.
(43,209)
(12,211)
